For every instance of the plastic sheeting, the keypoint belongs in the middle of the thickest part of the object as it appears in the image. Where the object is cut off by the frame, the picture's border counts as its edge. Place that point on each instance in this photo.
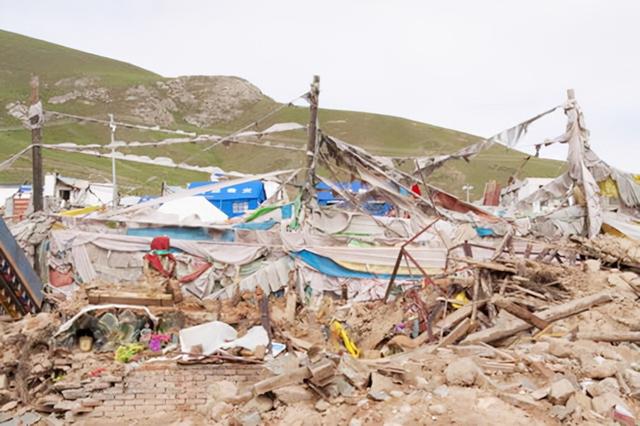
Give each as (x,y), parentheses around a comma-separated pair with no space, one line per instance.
(235,254)
(216,335)
(333,269)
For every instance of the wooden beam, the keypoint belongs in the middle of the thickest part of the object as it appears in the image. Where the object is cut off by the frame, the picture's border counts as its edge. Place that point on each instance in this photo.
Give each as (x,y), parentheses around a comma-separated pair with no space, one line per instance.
(456,334)
(517,325)
(520,312)
(613,336)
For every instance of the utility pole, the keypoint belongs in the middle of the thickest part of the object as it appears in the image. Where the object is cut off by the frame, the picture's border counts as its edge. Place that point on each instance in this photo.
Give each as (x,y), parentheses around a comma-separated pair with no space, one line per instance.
(36,118)
(314,94)
(112,127)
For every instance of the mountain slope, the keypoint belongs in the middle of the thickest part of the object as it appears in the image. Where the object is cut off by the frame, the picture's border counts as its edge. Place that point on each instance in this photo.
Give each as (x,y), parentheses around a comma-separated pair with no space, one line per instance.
(84,84)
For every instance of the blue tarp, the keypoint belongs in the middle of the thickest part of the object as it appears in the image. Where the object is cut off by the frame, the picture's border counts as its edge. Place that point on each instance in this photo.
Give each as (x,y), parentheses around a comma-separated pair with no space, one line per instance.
(173,232)
(257,226)
(235,200)
(332,269)
(325,197)
(485,232)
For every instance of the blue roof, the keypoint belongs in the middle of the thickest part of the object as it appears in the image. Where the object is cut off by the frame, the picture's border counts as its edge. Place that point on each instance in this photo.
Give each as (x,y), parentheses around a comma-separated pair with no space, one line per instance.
(253,189)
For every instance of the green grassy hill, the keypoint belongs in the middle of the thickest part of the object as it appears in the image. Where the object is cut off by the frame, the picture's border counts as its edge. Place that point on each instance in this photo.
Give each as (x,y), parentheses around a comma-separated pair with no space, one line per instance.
(85,84)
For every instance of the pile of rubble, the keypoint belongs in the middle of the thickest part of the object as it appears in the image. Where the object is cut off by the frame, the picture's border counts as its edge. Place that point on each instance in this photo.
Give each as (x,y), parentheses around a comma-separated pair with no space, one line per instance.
(526,341)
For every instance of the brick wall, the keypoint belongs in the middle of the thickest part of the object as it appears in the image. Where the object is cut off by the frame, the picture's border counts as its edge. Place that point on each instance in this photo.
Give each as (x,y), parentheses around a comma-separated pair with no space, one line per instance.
(154,388)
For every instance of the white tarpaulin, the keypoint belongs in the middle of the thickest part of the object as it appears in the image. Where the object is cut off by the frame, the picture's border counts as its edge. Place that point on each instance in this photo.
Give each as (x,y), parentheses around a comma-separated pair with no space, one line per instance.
(194,207)
(212,336)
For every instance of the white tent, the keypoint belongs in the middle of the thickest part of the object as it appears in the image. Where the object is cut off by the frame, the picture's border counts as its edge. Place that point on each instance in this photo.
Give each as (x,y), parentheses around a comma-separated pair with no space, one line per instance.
(194,207)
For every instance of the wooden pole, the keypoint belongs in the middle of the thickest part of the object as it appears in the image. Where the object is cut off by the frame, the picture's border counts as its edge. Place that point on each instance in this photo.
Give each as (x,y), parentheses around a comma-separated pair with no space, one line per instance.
(112,128)
(314,94)
(36,141)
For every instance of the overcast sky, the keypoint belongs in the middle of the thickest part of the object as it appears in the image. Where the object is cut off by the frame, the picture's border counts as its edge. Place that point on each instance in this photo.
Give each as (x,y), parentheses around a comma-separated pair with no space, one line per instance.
(476,66)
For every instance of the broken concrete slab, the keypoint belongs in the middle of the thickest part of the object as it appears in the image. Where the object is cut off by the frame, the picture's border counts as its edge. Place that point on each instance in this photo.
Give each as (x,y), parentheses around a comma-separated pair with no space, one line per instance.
(380,382)
(293,394)
(378,396)
(561,391)
(609,384)
(356,372)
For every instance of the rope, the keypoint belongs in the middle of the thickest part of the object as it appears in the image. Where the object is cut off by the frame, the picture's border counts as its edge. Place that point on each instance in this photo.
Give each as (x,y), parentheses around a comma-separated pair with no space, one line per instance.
(255,123)
(8,162)
(120,123)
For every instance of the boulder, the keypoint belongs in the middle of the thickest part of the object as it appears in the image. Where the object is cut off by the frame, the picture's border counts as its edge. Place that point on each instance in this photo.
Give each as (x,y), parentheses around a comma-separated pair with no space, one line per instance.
(561,391)
(322,406)
(293,394)
(592,265)
(633,379)
(260,403)
(609,384)
(598,368)
(462,372)
(251,418)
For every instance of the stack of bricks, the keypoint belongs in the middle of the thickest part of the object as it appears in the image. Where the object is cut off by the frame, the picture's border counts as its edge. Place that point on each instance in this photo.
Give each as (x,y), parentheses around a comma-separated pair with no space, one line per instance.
(169,388)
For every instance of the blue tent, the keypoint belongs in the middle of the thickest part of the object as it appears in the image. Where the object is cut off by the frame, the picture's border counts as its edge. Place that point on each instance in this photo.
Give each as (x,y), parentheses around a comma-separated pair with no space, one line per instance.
(325,194)
(235,200)
(327,197)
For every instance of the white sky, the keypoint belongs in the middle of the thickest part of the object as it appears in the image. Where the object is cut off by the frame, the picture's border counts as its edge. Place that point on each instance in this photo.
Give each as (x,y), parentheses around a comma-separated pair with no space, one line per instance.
(476,66)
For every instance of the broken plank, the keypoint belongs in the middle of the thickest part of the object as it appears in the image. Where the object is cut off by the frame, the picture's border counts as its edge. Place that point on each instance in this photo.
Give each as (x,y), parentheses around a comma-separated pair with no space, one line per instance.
(494,266)
(456,334)
(521,312)
(613,336)
(517,325)
(458,315)
(129,298)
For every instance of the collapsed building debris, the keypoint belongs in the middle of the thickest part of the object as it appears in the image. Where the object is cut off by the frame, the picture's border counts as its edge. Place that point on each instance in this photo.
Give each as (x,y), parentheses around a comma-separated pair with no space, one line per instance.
(298,313)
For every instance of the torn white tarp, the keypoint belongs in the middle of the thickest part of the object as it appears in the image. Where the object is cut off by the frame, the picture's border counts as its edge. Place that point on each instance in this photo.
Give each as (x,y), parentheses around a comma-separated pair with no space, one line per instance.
(628,225)
(276,128)
(576,137)
(210,337)
(509,137)
(236,254)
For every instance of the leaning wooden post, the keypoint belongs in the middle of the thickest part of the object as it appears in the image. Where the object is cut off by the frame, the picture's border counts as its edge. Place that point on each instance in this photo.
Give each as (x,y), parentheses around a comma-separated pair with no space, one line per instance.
(312,142)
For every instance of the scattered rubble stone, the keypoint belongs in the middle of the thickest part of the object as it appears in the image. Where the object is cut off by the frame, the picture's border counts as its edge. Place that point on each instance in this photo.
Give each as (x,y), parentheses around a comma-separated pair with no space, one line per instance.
(378,395)
(603,404)
(322,406)
(437,409)
(561,391)
(293,394)
(462,372)
(249,419)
